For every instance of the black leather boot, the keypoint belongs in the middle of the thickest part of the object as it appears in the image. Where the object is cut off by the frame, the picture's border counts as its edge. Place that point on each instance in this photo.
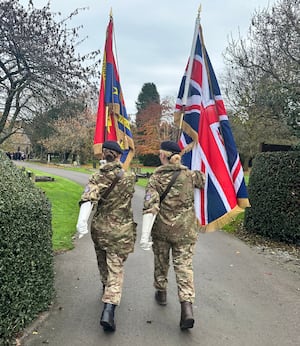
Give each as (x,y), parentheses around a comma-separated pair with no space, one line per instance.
(161,297)
(107,317)
(187,319)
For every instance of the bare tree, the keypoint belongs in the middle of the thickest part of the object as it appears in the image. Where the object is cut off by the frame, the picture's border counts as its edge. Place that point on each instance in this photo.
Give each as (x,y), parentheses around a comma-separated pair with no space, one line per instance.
(263,70)
(39,66)
(72,136)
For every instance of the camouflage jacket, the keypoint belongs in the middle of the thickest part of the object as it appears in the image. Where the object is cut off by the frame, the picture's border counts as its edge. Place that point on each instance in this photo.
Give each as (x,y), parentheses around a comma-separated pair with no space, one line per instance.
(176,220)
(113,228)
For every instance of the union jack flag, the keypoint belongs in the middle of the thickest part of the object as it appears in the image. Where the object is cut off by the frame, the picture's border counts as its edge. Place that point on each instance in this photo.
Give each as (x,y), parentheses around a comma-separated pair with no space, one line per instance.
(207,141)
(112,120)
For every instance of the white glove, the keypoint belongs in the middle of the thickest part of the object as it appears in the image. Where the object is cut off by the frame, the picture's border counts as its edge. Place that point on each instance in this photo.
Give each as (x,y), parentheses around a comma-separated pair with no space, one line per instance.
(83,218)
(148,221)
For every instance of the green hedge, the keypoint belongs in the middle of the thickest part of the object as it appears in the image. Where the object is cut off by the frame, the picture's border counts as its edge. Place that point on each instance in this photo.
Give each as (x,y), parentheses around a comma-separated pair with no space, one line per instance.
(26,259)
(274,193)
(150,160)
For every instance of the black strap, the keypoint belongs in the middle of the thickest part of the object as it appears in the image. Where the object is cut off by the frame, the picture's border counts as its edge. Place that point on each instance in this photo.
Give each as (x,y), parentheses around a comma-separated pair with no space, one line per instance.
(172,181)
(109,189)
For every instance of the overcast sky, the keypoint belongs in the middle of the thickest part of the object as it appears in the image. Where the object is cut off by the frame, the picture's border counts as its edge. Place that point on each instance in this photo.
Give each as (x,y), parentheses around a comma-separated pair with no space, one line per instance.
(154,37)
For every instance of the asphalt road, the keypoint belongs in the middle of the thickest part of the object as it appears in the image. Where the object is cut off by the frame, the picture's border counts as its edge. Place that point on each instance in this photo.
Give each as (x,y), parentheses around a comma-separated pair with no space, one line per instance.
(243,298)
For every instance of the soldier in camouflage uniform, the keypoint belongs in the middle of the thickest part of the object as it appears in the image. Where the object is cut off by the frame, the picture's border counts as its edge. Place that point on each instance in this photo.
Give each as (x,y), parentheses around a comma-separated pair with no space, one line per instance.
(175,228)
(113,230)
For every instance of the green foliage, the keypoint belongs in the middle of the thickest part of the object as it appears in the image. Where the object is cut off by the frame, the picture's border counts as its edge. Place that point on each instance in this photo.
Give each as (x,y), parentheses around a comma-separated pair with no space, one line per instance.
(26,259)
(274,193)
(147,95)
(150,160)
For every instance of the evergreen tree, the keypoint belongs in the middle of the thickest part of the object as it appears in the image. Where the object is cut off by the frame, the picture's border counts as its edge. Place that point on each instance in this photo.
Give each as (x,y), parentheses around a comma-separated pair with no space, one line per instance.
(148,95)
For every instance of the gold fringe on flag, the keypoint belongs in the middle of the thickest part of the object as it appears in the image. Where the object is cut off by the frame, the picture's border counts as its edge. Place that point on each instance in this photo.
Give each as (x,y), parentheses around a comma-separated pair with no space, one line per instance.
(217,224)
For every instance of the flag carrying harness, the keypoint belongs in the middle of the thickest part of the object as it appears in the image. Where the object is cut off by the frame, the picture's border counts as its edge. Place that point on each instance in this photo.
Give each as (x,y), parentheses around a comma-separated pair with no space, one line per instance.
(110,188)
(172,181)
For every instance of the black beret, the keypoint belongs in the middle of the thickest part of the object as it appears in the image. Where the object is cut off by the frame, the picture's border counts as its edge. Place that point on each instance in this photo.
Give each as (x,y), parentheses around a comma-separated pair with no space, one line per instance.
(171,146)
(112,146)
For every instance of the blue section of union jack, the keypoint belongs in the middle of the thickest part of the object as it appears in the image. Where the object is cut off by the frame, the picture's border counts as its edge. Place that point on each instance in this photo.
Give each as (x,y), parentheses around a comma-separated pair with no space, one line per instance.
(207,139)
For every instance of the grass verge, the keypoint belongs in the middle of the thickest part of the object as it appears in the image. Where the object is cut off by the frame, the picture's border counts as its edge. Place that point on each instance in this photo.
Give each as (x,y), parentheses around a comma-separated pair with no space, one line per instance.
(64,195)
(235,224)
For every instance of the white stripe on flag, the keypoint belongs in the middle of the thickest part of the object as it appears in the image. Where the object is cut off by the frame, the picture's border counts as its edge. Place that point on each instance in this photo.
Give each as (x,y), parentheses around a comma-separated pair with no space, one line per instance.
(215,181)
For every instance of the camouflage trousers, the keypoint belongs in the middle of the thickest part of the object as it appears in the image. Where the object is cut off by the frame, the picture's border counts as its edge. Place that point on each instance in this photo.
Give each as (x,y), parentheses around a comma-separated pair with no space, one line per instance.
(111,268)
(182,263)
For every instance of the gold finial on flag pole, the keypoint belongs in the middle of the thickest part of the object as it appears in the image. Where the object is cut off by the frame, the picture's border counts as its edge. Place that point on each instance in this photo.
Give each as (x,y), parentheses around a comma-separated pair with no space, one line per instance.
(110,14)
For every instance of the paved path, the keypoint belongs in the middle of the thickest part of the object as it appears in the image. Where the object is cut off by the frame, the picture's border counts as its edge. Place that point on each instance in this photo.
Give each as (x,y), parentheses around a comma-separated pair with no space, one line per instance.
(243,298)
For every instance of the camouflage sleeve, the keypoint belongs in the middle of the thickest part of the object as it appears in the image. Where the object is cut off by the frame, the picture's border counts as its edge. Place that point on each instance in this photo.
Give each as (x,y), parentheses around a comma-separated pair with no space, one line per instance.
(198,179)
(132,176)
(151,199)
(93,189)
(129,184)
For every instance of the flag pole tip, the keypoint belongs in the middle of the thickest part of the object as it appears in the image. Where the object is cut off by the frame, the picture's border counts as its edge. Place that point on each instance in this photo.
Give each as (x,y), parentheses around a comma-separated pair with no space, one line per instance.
(199,10)
(111,14)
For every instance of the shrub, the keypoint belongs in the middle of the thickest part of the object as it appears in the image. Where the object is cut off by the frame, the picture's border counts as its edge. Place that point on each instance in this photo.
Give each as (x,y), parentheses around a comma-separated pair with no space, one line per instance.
(150,160)
(274,193)
(26,259)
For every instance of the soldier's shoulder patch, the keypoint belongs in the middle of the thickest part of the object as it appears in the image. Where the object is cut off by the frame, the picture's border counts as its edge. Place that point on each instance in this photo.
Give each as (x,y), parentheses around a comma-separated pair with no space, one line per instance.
(147,196)
(87,189)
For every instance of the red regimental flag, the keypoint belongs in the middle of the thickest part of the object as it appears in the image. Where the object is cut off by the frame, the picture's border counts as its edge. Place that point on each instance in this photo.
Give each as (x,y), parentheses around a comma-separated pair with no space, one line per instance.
(105,123)
(112,119)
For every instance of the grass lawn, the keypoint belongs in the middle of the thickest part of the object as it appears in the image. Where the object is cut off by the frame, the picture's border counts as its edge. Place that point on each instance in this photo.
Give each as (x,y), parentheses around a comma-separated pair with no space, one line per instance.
(64,195)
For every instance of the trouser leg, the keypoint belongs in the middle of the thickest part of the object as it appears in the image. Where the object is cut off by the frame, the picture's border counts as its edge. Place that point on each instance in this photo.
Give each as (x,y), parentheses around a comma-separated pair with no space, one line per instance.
(102,265)
(161,252)
(182,261)
(113,288)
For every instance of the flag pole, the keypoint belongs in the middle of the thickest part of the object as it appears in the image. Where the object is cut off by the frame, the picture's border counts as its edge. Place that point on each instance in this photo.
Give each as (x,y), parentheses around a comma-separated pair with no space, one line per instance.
(106,106)
(108,109)
(122,106)
(190,65)
(189,71)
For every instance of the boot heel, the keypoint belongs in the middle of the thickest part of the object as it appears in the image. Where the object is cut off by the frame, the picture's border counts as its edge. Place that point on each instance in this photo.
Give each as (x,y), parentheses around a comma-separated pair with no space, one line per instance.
(107,317)
(186,324)
(187,318)
(161,297)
